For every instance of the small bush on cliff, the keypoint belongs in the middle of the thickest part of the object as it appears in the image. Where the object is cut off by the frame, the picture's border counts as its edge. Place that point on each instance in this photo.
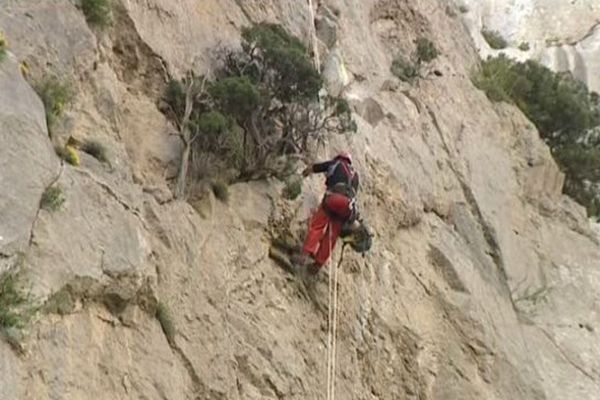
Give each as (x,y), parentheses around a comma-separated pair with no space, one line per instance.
(11,303)
(293,188)
(564,112)
(404,69)
(426,50)
(261,106)
(52,199)
(97,12)
(3,46)
(56,96)
(408,69)
(494,39)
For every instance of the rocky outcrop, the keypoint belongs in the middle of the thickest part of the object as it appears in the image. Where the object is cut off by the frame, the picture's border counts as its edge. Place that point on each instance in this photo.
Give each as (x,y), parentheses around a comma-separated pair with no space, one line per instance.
(26,147)
(564,36)
(481,284)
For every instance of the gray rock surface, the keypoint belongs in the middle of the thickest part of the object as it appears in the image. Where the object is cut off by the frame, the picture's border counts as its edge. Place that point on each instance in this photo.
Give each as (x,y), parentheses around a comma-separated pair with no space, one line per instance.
(26,148)
(563,35)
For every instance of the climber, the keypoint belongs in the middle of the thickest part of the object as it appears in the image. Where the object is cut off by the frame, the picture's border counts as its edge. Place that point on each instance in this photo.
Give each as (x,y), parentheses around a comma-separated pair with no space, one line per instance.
(336,209)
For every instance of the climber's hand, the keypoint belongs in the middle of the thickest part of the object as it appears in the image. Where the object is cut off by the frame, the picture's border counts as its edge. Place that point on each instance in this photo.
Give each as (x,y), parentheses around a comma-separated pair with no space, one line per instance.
(307,171)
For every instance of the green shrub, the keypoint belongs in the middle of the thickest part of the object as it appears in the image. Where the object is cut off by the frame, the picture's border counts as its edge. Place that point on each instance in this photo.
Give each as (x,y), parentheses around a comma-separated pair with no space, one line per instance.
(221,190)
(497,78)
(52,199)
(3,46)
(524,46)
(97,12)
(494,39)
(213,124)
(286,57)
(95,149)
(56,96)
(261,107)
(11,303)
(404,69)
(175,97)
(562,109)
(463,8)
(292,189)
(426,50)
(236,96)
(407,69)
(163,315)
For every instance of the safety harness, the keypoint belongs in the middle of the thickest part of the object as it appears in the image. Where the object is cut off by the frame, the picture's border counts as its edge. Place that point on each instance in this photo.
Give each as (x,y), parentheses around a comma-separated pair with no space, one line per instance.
(344,188)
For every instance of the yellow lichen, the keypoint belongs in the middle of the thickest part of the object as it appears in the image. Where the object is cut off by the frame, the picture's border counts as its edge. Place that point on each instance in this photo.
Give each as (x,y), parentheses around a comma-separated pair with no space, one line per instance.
(24,68)
(71,156)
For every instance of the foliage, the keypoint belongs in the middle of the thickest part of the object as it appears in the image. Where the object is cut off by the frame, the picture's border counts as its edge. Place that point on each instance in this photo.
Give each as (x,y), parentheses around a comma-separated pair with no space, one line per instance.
(494,39)
(262,104)
(220,190)
(3,46)
(236,96)
(563,110)
(56,96)
(95,149)
(404,69)
(291,72)
(524,46)
(52,199)
(426,50)
(11,300)
(292,189)
(97,12)
(408,69)
(163,315)
(463,8)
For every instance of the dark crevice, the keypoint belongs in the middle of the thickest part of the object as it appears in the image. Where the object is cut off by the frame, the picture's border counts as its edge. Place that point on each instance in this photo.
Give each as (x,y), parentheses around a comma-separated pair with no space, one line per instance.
(566,357)
(115,196)
(201,392)
(488,230)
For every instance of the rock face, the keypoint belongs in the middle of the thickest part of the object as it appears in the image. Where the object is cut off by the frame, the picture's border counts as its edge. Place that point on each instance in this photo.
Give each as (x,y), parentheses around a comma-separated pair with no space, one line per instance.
(483,282)
(563,35)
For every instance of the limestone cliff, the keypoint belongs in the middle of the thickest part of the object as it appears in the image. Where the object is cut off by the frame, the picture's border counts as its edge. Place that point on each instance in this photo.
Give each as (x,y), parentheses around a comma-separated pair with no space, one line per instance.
(563,35)
(483,282)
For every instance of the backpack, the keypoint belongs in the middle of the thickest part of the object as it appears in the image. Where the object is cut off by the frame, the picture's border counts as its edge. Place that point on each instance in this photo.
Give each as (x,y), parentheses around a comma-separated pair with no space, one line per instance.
(359,238)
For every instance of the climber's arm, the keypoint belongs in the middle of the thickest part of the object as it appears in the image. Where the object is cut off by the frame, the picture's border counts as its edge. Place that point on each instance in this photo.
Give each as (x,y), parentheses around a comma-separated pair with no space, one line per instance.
(317,168)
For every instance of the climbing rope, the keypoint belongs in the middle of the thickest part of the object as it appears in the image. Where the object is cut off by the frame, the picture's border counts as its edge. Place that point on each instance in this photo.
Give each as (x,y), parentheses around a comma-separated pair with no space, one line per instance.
(333,275)
(331,325)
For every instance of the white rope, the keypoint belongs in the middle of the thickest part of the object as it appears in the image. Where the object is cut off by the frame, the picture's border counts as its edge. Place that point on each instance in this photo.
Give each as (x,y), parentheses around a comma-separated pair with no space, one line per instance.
(330,328)
(333,275)
(334,341)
